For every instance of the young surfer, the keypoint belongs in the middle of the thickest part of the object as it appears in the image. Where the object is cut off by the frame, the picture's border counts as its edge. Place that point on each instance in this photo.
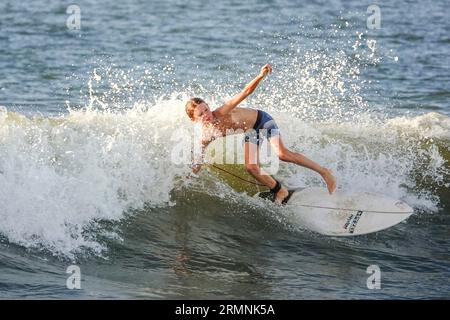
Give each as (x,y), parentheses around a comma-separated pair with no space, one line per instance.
(257,124)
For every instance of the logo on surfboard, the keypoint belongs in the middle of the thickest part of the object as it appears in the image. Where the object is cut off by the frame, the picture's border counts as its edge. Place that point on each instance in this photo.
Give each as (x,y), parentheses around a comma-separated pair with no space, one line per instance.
(352,221)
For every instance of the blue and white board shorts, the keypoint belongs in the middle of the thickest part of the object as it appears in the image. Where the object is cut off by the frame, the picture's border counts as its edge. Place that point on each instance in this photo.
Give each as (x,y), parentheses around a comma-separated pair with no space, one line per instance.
(264,126)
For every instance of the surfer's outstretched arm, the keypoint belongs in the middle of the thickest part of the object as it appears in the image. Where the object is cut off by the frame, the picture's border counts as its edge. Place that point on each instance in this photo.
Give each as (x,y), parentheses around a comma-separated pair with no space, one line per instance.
(248,89)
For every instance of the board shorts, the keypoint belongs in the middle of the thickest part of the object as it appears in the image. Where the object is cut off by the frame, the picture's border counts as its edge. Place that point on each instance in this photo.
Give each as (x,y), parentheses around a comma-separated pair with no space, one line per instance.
(265,126)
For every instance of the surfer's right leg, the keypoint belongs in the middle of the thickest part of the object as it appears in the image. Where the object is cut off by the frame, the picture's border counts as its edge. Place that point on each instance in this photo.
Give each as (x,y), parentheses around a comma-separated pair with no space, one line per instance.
(284,154)
(251,158)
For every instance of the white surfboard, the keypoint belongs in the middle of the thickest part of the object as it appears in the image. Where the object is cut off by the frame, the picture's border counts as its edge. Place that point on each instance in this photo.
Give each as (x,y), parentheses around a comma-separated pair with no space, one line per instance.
(344,214)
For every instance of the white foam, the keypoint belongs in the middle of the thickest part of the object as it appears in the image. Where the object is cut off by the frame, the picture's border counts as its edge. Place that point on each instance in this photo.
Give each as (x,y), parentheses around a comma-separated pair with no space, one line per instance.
(430,125)
(59,175)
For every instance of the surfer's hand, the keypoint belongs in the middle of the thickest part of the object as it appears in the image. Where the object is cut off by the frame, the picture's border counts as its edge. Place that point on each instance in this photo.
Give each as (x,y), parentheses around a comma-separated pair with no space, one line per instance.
(330,180)
(265,70)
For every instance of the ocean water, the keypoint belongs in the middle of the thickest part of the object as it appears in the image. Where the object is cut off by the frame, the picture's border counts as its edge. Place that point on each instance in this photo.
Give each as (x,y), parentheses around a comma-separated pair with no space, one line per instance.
(88,119)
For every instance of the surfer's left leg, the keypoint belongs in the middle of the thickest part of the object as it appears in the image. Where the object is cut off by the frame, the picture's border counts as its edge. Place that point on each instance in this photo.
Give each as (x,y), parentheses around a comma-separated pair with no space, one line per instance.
(251,159)
(287,155)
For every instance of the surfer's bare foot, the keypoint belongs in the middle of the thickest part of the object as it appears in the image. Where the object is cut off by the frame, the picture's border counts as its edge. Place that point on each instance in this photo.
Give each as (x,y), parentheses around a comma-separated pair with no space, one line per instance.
(330,180)
(281,195)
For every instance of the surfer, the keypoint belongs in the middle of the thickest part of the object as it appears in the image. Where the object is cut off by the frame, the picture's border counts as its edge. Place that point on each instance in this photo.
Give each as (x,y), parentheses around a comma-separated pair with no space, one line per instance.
(228,119)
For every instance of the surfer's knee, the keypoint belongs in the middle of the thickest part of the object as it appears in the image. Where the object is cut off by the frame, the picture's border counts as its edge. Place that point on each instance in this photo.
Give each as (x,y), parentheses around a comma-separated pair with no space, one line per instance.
(252,168)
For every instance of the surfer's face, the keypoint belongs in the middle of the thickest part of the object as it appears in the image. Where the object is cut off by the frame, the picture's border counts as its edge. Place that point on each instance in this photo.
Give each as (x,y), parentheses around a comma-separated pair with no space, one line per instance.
(202,113)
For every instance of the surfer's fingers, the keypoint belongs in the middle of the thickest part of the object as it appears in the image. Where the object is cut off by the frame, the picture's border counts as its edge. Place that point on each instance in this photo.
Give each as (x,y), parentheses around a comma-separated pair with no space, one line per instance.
(266,68)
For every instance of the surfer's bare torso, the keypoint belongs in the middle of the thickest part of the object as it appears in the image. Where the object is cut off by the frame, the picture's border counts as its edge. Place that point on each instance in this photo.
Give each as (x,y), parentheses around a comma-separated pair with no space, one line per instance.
(236,121)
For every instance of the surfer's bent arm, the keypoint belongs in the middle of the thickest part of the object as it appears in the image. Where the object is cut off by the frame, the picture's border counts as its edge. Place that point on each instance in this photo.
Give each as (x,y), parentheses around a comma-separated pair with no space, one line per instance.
(248,89)
(197,165)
